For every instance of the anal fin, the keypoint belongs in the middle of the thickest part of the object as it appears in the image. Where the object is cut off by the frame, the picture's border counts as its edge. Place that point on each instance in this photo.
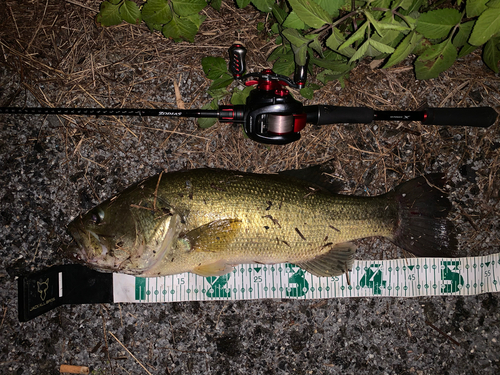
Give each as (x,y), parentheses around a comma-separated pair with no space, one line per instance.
(333,263)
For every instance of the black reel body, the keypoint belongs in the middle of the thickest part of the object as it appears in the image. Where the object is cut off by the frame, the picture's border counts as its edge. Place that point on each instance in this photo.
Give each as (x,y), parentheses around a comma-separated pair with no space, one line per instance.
(272,115)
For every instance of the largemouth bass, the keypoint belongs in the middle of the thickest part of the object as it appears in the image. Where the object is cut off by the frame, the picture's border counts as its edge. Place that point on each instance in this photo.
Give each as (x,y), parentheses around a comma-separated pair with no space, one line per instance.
(207,221)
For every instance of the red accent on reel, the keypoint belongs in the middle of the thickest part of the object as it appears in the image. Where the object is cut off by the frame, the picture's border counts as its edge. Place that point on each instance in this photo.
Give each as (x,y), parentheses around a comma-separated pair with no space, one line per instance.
(227,114)
(299,122)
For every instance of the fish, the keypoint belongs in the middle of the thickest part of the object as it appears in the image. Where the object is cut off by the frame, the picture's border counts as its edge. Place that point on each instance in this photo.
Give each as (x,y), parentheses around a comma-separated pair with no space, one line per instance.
(207,221)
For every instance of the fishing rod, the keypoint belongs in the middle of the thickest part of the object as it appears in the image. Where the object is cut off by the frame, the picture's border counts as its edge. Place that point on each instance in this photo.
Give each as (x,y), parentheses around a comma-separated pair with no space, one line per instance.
(272,116)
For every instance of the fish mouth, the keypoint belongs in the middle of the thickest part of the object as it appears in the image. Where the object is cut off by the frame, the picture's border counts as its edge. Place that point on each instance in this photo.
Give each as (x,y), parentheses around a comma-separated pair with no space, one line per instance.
(81,250)
(75,252)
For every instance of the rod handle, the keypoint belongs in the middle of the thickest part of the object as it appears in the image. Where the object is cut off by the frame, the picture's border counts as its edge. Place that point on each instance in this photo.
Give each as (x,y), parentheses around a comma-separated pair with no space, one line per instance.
(481,117)
(329,114)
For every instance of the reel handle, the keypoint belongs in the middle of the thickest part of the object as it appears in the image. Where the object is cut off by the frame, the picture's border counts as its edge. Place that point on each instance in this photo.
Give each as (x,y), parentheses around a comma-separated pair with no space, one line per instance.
(237,53)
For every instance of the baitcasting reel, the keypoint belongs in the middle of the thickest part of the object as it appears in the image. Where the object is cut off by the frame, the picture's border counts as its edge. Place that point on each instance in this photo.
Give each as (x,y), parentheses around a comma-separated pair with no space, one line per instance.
(272,116)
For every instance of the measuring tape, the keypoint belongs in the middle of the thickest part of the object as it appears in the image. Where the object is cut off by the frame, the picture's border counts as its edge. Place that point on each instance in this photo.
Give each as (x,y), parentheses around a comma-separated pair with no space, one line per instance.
(44,290)
(412,277)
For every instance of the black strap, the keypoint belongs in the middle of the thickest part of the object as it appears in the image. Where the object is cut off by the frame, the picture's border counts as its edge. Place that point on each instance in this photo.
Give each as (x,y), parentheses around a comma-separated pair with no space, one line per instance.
(45,290)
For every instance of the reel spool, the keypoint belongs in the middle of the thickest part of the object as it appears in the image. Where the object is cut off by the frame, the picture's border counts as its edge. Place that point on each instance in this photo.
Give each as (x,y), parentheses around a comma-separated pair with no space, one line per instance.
(280,124)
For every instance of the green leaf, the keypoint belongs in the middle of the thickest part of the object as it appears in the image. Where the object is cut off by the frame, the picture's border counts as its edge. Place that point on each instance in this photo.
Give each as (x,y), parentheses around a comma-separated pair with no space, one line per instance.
(411,6)
(153,26)
(109,14)
(389,37)
(265,6)
(437,24)
(359,34)
(279,51)
(242,3)
(466,49)
(327,75)
(223,81)
(360,53)
(335,40)
(460,39)
(402,51)
(182,28)
(218,94)
(389,23)
(300,54)
(493,4)
(299,45)
(384,48)
(491,53)
(435,60)
(294,22)
(206,122)
(294,37)
(156,12)
(213,67)
(307,92)
(279,13)
(285,64)
(186,8)
(332,7)
(216,4)
(333,66)
(130,12)
(474,8)
(463,34)
(379,4)
(310,13)
(240,96)
(316,45)
(373,22)
(405,4)
(487,25)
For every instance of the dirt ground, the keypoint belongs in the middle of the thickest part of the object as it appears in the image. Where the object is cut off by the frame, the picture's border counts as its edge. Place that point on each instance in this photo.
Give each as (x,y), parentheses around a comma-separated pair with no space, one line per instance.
(54,167)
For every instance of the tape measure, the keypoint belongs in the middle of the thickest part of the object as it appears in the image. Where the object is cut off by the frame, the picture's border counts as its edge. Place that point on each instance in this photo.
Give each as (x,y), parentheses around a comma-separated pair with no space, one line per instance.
(414,277)
(388,278)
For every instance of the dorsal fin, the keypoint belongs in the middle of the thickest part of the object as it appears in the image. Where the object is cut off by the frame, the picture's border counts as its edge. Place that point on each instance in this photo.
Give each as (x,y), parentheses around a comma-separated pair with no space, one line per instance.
(317,176)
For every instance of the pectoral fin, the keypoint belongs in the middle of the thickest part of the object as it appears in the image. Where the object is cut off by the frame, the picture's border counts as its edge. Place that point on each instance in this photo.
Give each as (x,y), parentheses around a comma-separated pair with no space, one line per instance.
(333,263)
(214,236)
(213,269)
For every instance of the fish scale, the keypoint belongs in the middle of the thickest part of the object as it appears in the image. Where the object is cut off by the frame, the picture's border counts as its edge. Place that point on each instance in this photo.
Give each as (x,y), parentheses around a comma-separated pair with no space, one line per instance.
(206,221)
(247,197)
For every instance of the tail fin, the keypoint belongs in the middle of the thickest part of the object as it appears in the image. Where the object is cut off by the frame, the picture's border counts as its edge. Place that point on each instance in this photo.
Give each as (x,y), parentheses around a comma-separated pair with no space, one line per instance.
(422,228)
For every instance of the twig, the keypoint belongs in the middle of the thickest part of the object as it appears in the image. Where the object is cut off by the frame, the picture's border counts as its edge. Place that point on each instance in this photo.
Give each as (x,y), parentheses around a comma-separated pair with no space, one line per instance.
(128,351)
(38,28)
(15,23)
(71,369)
(3,317)
(442,333)
(81,5)
(220,313)
(178,96)
(156,190)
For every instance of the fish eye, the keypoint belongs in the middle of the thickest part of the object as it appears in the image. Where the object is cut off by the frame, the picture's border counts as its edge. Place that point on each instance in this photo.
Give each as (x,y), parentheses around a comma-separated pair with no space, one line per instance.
(97,217)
